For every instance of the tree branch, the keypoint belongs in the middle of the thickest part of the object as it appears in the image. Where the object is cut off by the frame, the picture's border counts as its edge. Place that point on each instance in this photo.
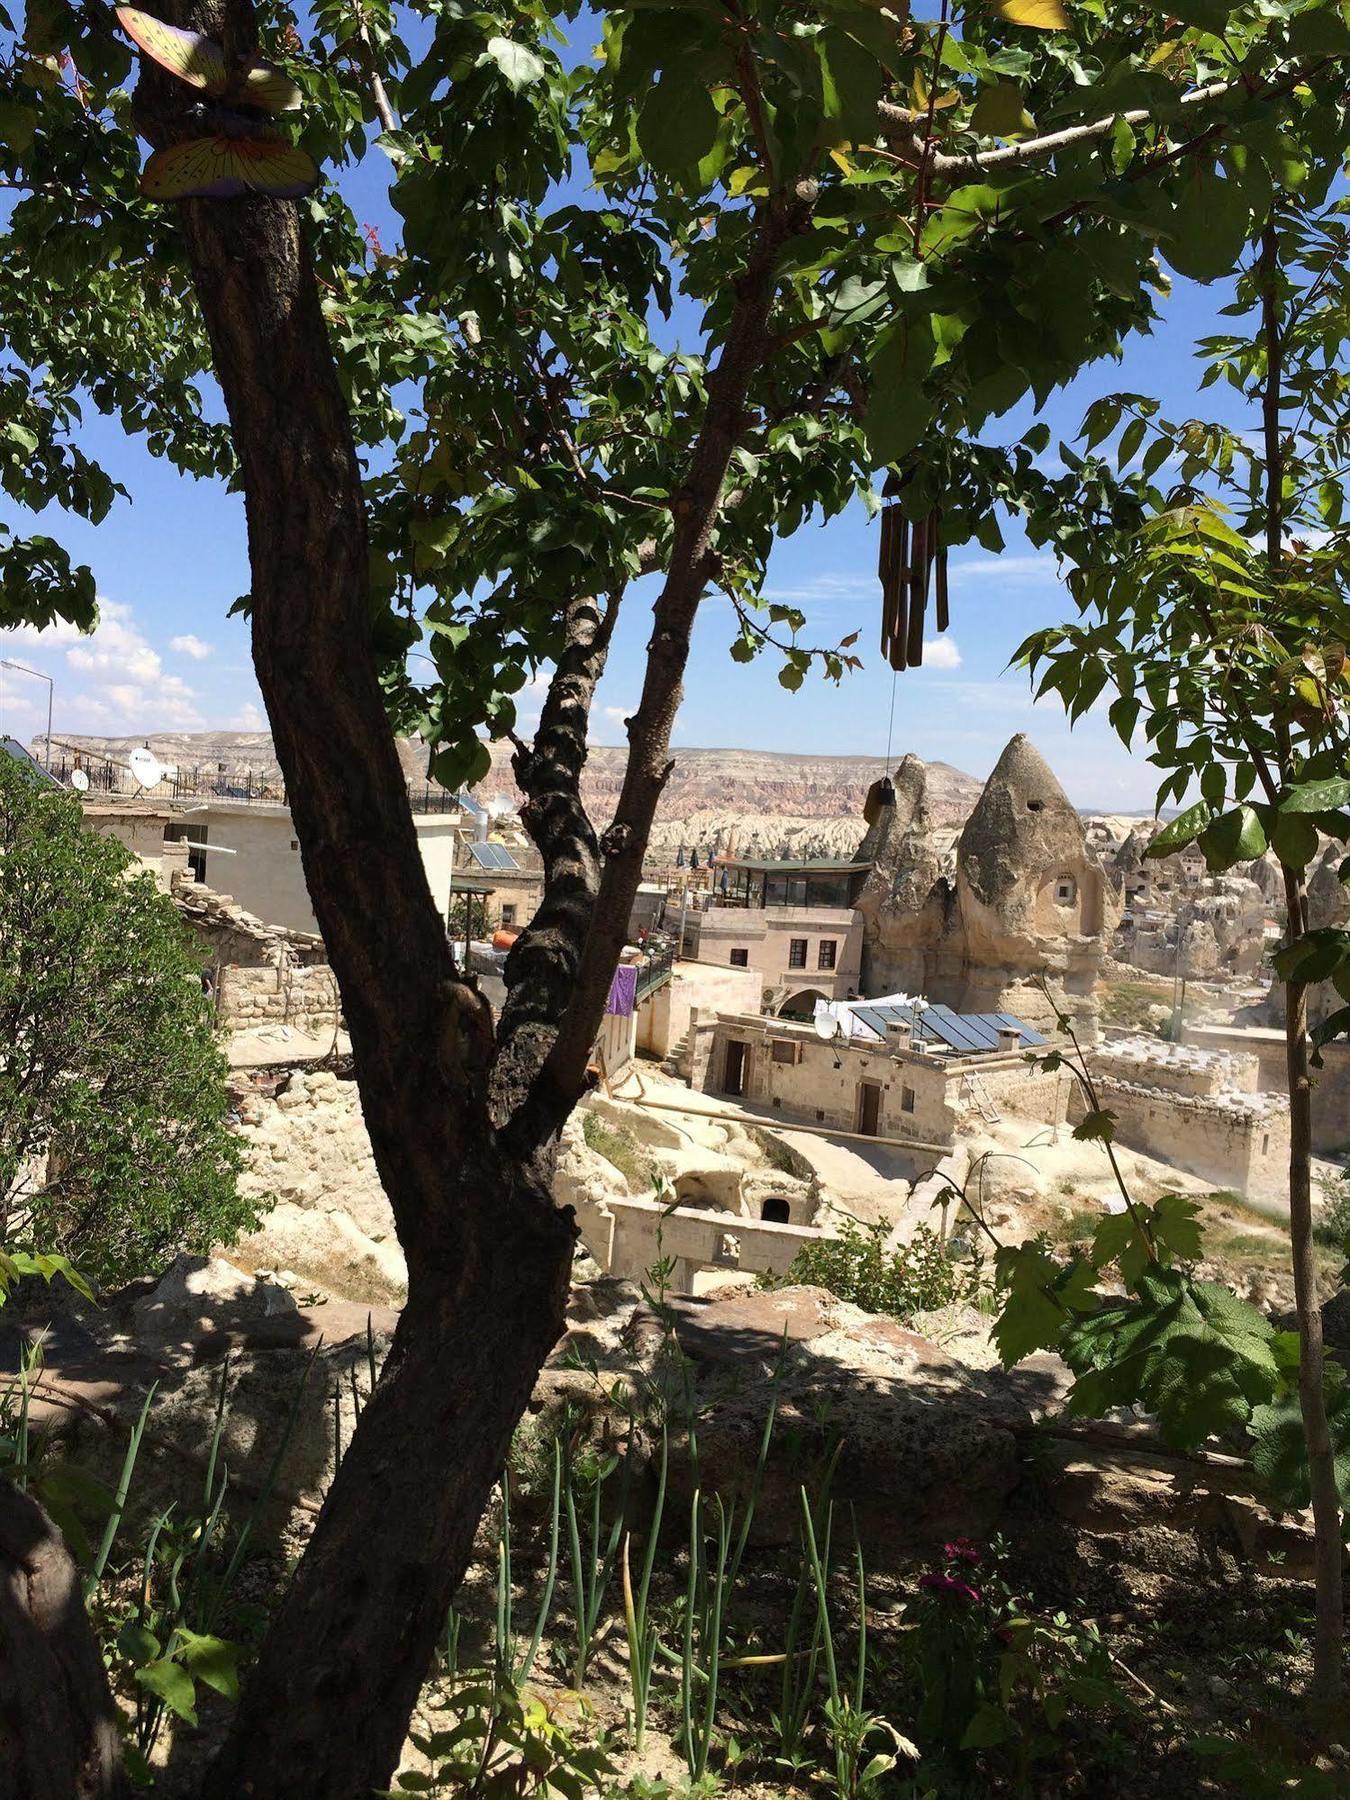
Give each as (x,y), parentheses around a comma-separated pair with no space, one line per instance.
(542,967)
(697,507)
(899,125)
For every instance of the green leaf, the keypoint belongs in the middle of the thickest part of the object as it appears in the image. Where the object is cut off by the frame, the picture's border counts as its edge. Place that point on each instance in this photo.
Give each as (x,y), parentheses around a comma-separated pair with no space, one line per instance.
(1294,839)
(1189,1352)
(999,110)
(1237,836)
(990,1726)
(898,410)
(1209,226)
(18,126)
(1280,1448)
(1097,1126)
(678,121)
(1316,797)
(1041,1297)
(137,1644)
(517,62)
(850,82)
(1183,830)
(212,1660)
(173,1685)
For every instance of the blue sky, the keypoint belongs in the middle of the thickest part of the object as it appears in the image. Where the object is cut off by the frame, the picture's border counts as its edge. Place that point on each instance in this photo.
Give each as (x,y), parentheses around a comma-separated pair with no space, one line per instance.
(170,563)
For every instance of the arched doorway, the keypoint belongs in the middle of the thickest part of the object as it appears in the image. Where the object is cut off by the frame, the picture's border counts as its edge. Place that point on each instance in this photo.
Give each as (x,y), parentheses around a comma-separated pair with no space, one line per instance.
(801,1005)
(776,1211)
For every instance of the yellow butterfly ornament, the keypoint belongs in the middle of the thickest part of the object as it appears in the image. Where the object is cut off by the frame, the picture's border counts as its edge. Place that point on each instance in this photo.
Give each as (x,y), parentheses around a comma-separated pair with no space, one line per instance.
(241,156)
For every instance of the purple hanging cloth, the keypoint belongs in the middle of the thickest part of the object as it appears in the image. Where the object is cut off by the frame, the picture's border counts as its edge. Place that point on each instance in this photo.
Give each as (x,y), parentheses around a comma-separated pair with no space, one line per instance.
(623,991)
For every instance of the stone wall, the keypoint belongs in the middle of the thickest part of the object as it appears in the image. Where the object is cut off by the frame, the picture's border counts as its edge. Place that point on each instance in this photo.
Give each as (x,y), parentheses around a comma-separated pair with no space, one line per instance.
(1177,1068)
(664,1017)
(229,934)
(305,998)
(697,1240)
(1237,1141)
(307,1148)
(1331,1083)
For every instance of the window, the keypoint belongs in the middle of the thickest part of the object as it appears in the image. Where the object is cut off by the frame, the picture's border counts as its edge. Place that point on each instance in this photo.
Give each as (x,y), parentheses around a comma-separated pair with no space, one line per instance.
(295,843)
(740,959)
(509,916)
(907,1099)
(784,1050)
(796,953)
(828,951)
(1066,890)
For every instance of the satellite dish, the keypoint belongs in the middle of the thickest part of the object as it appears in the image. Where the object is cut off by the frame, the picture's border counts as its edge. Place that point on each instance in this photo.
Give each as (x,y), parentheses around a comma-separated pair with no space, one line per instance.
(79,781)
(146,768)
(826,1025)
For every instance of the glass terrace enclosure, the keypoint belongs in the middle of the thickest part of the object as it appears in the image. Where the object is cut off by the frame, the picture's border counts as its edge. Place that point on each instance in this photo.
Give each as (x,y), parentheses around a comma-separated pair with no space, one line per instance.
(820,882)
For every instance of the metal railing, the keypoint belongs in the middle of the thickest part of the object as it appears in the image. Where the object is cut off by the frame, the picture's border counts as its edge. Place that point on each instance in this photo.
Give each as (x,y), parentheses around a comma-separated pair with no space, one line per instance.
(202,782)
(656,970)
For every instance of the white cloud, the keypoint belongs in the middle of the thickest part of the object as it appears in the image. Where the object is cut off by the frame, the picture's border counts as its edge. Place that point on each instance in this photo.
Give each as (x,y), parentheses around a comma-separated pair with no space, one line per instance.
(1032,566)
(109,680)
(188,645)
(617,714)
(941,653)
(249,718)
(820,589)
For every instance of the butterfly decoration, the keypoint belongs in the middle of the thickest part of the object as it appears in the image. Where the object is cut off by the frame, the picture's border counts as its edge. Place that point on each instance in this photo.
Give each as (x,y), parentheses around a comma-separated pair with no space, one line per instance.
(912,562)
(240,157)
(220,167)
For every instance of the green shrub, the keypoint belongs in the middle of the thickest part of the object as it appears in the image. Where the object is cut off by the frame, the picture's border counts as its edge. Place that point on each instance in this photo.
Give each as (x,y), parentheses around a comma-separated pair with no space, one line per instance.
(1332,1224)
(856,1266)
(620,1148)
(115,1146)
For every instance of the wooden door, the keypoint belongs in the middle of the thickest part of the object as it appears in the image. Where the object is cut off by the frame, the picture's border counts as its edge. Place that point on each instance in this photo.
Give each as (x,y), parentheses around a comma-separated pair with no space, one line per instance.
(869,1107)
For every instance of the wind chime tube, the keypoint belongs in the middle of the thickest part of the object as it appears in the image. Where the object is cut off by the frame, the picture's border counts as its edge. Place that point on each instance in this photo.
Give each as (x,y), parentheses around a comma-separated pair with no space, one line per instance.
(896,600)
(943,612)
(884,555)
(918,592)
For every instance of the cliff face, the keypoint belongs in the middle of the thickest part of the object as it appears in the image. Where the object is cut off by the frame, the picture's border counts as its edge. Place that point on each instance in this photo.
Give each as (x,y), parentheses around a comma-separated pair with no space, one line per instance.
(765,802)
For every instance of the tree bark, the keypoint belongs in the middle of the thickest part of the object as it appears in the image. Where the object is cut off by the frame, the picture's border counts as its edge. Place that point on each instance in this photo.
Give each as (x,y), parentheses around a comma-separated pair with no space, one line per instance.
(464,1155)
(58,1724)
(697,508)
(324,1714)
(1329,1633)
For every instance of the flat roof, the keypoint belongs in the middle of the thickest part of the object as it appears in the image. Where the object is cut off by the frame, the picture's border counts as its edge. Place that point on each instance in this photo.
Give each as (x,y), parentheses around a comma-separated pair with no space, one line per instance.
(816,865)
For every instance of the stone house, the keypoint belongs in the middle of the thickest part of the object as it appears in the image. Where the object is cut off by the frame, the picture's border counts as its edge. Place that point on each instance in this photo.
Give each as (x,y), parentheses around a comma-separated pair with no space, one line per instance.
(912,1095)
(794,923)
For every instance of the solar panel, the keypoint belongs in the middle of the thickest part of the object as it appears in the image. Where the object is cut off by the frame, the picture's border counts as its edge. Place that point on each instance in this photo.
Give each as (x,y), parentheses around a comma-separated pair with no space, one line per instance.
(963,1032)
(873,1017)
(492,856)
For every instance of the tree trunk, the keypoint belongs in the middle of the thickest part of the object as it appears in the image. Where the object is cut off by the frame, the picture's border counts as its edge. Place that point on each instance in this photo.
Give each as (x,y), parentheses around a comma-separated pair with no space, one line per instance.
(324,1715)
(58,1724)
(1328,1674)
(326,1708)
(1329,1633)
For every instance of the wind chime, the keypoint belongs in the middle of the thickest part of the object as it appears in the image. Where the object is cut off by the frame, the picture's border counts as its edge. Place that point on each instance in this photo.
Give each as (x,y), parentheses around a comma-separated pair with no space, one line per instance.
(912,564)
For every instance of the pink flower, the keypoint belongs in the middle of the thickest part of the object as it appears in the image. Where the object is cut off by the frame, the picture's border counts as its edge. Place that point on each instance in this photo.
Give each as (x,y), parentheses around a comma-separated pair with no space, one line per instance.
(961,1550)
(950,1588)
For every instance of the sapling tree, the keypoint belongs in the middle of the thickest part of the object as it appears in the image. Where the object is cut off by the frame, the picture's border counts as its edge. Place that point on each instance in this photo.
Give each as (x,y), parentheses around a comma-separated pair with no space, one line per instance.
(114,1144)
(874,234)
(1220,625)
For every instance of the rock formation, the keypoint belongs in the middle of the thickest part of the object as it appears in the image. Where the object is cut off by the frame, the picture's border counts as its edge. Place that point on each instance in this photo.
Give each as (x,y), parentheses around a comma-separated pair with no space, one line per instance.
(1022,899)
